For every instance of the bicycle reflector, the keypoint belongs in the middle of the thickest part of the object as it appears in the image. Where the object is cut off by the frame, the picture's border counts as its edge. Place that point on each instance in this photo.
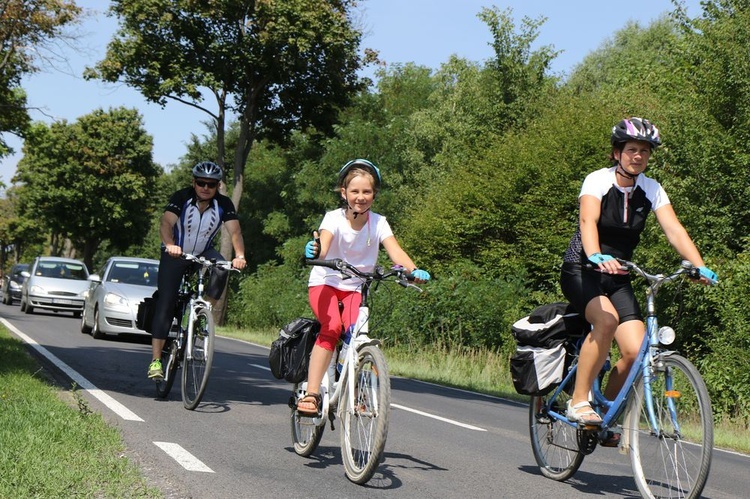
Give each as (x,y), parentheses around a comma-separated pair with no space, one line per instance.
(666,335)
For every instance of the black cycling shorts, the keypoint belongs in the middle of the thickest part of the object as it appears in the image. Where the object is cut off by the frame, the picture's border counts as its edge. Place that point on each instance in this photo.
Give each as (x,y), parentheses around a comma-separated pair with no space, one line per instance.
(581,285)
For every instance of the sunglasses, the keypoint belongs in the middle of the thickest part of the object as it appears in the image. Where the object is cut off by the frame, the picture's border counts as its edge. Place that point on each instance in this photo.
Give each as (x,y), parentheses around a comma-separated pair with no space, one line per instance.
(210,185)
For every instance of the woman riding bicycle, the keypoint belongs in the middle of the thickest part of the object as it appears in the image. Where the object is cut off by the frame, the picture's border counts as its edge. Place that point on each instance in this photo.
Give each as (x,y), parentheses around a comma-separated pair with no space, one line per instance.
(614,203)
(353,233)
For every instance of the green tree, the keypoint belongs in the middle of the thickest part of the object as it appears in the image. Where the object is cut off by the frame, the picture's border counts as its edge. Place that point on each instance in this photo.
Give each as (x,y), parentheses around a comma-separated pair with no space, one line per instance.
(26,27)
(91,181)
(275,66)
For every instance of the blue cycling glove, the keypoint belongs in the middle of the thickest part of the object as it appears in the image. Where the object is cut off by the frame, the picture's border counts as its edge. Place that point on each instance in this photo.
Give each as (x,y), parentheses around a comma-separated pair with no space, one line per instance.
(598,258)
(421,275)
(708,274)
(310,250)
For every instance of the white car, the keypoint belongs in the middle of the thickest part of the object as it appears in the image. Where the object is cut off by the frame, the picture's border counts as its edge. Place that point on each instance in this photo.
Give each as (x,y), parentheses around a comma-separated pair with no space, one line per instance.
(55,284)
(113,295)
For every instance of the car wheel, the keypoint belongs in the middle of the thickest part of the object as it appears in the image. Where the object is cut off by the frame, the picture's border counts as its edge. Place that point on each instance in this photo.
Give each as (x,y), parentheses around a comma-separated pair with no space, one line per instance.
(23,305)
(95,331)
(5,300)
(29,309)
(84,328)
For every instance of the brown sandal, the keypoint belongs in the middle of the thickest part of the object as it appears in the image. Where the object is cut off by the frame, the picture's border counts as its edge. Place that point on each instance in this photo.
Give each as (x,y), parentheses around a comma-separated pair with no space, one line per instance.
(313,399)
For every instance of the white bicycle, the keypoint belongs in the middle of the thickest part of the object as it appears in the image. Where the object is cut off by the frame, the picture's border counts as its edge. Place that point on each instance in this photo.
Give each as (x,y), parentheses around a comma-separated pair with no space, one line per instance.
(192,348)
(361,395)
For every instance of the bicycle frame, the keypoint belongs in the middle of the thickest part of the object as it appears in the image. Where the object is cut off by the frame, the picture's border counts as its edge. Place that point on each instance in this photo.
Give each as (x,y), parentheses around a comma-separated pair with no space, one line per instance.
(195,302)
(648,356)
(330,388)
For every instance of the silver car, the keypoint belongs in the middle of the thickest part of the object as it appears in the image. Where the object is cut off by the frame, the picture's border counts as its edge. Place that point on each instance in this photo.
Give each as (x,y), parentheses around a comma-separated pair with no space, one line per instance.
(113,295)
(55,284)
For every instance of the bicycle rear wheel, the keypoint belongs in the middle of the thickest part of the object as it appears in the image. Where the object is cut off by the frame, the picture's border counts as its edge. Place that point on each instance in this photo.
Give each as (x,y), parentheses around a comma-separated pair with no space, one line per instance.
(169,361)
(553,442)
(197,363)
(306,434)
(672,459)
(364,420)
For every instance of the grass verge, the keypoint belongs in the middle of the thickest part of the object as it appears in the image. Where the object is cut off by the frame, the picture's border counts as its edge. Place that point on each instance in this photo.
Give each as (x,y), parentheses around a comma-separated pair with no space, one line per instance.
(478,370)
(53,448)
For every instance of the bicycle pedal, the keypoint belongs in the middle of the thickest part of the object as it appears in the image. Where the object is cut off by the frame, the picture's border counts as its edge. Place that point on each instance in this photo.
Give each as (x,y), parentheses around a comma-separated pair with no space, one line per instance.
(590,427)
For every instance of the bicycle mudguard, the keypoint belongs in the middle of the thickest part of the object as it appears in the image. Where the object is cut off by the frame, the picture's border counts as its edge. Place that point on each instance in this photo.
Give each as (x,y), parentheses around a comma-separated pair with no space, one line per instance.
(364,340)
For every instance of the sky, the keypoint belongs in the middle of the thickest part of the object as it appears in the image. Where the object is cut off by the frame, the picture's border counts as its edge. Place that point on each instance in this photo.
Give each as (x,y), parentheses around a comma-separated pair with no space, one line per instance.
(425,32)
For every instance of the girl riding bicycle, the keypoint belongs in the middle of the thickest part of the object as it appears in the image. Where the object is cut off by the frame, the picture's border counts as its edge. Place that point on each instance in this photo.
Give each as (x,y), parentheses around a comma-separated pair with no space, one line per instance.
(353,233)
(614,203)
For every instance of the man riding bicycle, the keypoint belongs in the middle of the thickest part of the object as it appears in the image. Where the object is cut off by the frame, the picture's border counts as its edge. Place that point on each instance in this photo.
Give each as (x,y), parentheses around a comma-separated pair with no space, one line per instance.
(190,222)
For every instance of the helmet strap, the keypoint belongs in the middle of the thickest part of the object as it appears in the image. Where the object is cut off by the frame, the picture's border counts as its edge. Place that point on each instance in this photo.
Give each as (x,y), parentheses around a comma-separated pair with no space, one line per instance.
(621,171)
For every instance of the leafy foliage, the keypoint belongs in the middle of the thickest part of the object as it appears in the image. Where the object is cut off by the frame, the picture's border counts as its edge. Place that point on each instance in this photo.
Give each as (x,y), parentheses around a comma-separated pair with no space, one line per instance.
(98,168)
(26,27)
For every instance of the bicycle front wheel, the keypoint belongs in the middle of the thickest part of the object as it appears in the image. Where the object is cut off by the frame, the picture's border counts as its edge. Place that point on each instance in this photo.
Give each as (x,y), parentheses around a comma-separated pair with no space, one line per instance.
(673,458)
(197,364)
(364,420)
(553,442)
(169,361)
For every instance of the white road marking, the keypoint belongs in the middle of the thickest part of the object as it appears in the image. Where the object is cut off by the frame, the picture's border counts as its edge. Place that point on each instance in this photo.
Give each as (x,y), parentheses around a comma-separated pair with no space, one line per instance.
(82,382)
(445,420)
(183,457)
(415,411)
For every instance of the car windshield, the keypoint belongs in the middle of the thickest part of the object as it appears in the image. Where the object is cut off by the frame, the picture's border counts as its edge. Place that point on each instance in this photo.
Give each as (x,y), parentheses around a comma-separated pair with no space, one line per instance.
(17,272)
(61,270)
(138,273)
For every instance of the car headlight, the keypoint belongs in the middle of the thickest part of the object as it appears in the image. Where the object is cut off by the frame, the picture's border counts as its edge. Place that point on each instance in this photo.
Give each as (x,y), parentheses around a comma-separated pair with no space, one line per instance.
(14,285)
(37,290)
(666,335)
(116,301)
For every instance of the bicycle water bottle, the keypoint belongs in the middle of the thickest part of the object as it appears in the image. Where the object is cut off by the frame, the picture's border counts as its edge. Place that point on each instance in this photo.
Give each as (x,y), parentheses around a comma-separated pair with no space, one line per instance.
(345,340)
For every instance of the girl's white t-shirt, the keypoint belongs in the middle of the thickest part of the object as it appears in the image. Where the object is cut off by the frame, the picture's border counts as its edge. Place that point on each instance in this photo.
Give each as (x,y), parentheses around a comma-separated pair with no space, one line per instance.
(357,247)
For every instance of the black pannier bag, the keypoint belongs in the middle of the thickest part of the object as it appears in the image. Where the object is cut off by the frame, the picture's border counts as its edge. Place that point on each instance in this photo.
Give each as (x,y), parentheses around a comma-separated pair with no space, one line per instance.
(289,357)
(538,364)
(145,316)
(549,325)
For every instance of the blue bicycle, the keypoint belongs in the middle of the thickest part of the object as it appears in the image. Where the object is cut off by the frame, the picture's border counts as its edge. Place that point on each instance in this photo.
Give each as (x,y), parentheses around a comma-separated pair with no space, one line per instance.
(663,411)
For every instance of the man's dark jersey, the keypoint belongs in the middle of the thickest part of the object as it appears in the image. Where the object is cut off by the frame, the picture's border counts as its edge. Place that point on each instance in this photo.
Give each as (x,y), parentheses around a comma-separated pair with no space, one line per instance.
(194,231)
(623,213)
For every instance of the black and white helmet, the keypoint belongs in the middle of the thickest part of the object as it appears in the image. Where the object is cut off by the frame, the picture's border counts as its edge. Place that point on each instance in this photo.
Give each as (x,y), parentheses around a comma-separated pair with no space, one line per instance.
(207,169)
(635,129)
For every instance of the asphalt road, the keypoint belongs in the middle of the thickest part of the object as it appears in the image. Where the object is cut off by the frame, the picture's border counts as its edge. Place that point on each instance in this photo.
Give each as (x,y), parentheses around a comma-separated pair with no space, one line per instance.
(442,442)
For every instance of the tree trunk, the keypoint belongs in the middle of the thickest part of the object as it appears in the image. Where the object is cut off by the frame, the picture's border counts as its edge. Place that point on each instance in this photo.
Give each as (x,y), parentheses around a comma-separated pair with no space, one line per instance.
(241,153)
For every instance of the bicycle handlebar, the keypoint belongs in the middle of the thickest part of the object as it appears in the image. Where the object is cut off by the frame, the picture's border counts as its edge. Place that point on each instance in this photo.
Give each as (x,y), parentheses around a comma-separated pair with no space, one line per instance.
(655,280)
(206,262)
(378,274)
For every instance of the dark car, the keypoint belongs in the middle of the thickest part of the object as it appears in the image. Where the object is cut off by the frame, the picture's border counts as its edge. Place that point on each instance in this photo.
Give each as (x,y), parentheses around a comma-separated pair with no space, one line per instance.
(13,281)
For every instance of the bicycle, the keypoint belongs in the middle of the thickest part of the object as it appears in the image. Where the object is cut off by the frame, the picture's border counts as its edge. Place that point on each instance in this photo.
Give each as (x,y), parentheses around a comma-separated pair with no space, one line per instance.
(192,346)
(361,396)
(664,407)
